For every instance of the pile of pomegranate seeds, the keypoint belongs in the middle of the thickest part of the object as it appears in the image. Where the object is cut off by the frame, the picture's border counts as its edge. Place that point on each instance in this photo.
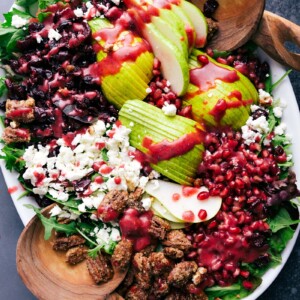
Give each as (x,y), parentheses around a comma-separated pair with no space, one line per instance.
(245,177)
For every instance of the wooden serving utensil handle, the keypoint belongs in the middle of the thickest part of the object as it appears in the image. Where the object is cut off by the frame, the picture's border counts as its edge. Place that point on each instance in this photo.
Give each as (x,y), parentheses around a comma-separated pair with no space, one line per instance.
(271,36)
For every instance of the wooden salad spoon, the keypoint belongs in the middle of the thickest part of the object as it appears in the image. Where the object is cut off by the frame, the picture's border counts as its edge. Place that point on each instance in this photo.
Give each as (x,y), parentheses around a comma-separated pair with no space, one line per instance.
(47,275)
(243,20)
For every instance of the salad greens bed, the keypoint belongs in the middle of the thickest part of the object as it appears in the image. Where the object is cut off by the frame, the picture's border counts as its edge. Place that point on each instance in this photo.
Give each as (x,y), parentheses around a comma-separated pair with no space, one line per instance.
(81,209)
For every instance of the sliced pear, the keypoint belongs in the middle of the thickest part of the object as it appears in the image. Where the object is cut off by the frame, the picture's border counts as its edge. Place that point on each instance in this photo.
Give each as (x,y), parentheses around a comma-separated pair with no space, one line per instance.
(174,65)
(238,95)
(185,203)
(170,25)
(147,121)
(163,212)
(188,26)
(131,80)
(198,20)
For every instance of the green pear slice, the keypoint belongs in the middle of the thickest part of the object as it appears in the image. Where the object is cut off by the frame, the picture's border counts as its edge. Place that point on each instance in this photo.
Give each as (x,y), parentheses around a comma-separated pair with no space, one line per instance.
(168,23)
(163,212)
(188,26)
(174,64)
(184,201)
(146,120)
(198,20)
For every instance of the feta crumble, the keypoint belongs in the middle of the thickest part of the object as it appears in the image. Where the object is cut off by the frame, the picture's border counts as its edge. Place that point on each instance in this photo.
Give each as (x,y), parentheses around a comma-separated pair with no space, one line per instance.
(18,21)
(78,12)
(169,109)
(54,35)
(280,129)
(39,39)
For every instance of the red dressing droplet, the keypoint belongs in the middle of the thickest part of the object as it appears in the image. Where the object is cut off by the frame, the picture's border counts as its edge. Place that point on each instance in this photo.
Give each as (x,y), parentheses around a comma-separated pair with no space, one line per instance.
(188,216)
(175,197)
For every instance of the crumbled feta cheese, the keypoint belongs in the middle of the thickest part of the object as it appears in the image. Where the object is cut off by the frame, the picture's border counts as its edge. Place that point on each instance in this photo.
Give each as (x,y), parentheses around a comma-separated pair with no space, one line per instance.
(117,2)
(146,203)
(260,124)
(54,35)
(169,109)
(148,90)
(277,111)
(39,39)
(280,129)
(55,211)
(249,135)
(166,90)
(18,21)
(254,108)
(81,207)
(115,234)
(78,12)
(265,97)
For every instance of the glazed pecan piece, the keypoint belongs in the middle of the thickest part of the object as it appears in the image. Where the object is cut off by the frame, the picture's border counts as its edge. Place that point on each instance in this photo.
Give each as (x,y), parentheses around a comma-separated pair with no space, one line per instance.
(76,254)
(173,253)
(142,271)
(134,200)
(112,205)
(65,243)
(100,268)
(20,111)
(122,254)
(159,227)
(16,135)
(136,293)
(182,273)
(177,239)
(159,263)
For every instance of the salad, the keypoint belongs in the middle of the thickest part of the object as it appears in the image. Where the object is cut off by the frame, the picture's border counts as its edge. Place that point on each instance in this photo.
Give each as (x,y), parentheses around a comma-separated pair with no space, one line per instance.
(164,158)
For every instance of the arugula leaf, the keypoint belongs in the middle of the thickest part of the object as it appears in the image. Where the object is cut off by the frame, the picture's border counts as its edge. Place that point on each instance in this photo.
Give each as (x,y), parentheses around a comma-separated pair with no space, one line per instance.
(280,79)
(51,223)
(45,3)
(235,291)
(13,157)
(25,3)
(280,239)
(281,220)
(3,87)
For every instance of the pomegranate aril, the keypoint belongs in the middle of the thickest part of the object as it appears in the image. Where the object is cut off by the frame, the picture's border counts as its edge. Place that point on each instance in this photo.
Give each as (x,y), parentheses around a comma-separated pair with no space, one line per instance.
(203,195)
(202,214)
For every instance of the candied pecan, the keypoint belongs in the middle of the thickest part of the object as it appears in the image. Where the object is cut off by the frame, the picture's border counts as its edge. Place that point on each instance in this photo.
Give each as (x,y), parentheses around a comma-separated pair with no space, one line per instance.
(173,253)
(177,239)
(20,111)
(15,135)
(142,270)
(148,250)
(159,227)
(199,295)
(159,263)
(113,203)
(160,288)
(182,273)
(134,200)
(136,292)
(199,276)
(122,254)
(212,28)
(76,255)
(65,243)
(100,268)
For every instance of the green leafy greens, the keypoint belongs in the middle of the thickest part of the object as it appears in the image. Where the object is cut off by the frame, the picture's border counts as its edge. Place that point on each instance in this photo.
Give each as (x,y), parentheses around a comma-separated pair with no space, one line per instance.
(51,223)
(13,157)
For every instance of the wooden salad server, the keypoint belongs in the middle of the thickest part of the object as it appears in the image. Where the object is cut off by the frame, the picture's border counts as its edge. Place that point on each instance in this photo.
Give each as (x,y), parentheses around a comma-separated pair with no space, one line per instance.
(243,20)
(47,275)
